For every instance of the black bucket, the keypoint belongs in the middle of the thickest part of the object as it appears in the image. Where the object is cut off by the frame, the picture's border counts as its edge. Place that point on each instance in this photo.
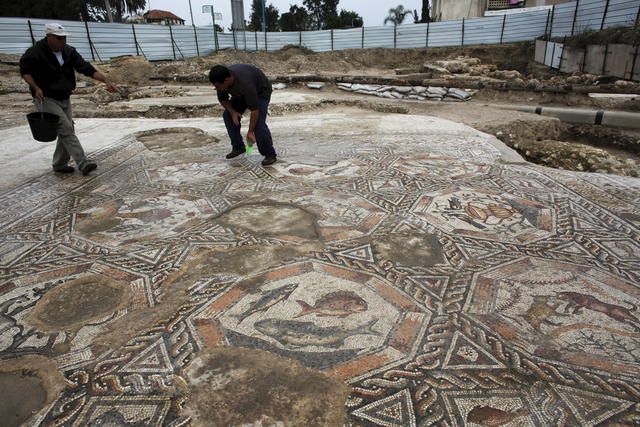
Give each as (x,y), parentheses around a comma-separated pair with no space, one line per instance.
(44,126)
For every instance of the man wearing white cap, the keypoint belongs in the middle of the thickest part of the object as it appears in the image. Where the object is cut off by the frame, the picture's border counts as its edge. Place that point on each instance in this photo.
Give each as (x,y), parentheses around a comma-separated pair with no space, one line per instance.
(49,67)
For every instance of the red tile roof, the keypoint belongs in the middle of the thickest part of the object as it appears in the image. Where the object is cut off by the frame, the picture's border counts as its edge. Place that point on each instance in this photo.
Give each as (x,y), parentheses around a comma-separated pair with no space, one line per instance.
(160,14)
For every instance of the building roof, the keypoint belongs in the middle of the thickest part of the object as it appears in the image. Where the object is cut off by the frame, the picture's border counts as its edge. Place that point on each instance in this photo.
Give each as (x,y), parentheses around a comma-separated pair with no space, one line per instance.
(161,14)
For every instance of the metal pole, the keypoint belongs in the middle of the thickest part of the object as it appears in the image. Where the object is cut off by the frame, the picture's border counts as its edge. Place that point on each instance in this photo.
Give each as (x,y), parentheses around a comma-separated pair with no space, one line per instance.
(546,25)
(172,43)
(575,16)
(604,59)
(235,43)
(332,39)
(604,15)
(33,39)
(108,6)
(300,39)
(266,42)
(463,32)
(137,44)
(395,36)
(363,36)
(504,20)
(86,25)
(195,34)
(135,39)
(215,32)
(427,42)
(256,34)
(553,15)
(637,17)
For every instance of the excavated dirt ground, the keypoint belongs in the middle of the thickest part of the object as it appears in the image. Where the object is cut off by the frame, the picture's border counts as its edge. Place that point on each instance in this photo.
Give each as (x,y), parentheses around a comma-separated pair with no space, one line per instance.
(520,80)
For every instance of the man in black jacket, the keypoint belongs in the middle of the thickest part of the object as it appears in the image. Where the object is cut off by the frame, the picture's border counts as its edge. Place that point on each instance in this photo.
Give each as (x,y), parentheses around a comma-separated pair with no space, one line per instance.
(249,89)
(48,67)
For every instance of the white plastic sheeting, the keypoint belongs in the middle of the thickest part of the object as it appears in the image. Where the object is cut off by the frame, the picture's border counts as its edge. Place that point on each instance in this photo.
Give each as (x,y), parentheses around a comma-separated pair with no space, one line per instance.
(157,42)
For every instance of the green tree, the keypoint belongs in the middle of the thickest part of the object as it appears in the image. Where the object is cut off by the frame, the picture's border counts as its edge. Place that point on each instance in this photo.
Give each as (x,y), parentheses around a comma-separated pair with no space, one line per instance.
(397,15)
(346,19)
(121,8)
(72,10)
(426,12)
(255,19)
(321,11)
(52,9)
(297,19)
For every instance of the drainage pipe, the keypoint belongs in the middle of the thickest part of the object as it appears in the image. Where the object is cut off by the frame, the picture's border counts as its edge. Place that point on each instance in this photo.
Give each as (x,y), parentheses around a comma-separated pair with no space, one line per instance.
(571,115)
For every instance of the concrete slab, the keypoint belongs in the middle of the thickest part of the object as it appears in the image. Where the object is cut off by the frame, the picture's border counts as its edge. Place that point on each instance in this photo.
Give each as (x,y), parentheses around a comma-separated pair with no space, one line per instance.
(198,98)
(388,269)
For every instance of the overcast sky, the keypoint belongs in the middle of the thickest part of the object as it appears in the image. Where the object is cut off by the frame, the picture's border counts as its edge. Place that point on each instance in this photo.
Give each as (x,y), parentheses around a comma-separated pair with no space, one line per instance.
(372,11)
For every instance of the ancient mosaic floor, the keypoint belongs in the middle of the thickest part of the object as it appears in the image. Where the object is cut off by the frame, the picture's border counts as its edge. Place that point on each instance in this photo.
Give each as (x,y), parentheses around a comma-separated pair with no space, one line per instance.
(440,285)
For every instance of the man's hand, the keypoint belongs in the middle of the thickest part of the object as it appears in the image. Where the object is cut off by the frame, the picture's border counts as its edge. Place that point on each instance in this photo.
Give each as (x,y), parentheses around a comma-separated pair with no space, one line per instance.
(112,88)
(251,137)
(235,117)
(38,93)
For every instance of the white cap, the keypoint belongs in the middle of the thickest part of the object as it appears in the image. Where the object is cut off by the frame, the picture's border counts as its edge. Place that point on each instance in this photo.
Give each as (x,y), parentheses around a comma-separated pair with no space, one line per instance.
(55,29)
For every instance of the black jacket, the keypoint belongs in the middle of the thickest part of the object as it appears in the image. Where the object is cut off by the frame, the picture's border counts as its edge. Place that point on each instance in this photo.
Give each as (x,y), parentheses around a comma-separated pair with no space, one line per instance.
(56,81)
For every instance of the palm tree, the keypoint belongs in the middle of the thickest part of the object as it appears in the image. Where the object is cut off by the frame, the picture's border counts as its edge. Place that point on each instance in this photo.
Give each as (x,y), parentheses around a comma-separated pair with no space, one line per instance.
(397,15)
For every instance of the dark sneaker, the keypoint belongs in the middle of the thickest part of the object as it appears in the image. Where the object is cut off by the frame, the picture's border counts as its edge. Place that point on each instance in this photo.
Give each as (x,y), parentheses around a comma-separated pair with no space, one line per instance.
(268,161)
(88,168)
(235,153)
(65,169)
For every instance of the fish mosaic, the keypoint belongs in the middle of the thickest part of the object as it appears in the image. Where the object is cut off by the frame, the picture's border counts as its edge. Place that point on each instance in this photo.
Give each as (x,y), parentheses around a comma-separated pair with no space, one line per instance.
(294,334)
(268,300)
(335,304)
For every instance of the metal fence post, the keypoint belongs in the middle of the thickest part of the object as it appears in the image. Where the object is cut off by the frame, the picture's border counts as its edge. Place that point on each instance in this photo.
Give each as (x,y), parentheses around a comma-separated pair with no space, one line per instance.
(553,15)
(604,59)
(266,43)
(195,36)
(426,43)
(33,39)
(637,17)
(604,15)
(256,34)
(172,43)
(235,40)
(300,39)
(575,16)
(332,39)
(546,25)
(504,21)
(363,36)
(462,32)
(86,26)
(135,39)
(395,35)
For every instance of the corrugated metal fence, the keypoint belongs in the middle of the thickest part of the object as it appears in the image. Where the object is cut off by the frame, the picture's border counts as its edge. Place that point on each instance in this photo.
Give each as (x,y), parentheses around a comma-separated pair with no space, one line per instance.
(101,41)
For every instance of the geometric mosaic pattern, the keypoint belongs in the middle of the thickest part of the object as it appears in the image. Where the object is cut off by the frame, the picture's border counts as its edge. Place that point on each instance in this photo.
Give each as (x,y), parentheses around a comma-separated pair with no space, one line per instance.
(531,319)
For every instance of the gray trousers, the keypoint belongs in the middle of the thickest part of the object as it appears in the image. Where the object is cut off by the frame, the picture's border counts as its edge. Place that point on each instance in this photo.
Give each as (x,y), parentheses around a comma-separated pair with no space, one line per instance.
(68,146)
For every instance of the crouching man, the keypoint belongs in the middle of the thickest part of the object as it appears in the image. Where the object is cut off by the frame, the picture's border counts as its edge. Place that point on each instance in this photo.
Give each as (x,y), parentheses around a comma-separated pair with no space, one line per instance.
(48,67)
(249,89)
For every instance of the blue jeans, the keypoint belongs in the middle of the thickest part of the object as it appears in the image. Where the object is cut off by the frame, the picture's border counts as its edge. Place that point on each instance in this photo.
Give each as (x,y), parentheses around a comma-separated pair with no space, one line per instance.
(262,132)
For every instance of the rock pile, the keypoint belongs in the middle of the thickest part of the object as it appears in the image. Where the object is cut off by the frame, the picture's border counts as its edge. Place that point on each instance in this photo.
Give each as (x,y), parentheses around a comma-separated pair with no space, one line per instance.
(431,93)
